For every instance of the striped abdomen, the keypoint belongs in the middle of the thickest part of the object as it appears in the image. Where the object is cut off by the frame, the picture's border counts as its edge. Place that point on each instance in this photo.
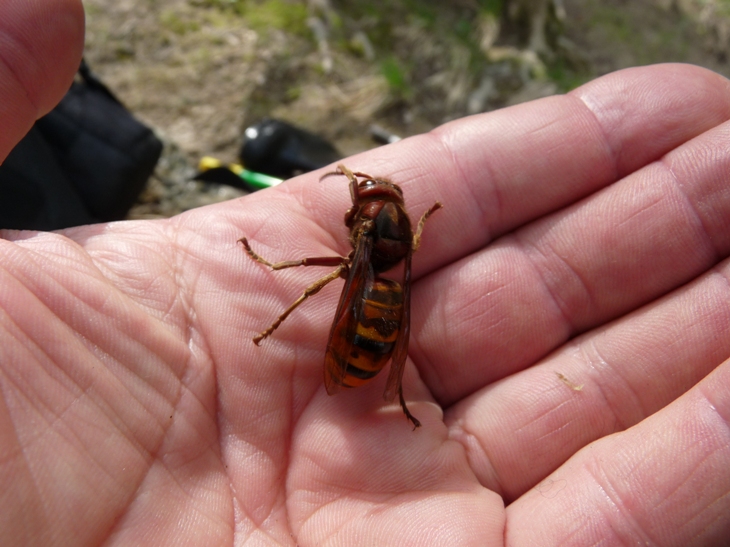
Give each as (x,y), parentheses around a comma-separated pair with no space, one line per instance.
(375,335)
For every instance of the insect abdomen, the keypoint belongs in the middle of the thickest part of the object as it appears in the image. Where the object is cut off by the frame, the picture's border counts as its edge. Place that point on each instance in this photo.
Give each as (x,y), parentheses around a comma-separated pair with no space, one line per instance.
(377,330)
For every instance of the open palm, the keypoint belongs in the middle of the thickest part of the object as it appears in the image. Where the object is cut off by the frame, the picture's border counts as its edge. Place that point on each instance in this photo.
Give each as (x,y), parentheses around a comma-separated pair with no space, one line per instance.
(583,244)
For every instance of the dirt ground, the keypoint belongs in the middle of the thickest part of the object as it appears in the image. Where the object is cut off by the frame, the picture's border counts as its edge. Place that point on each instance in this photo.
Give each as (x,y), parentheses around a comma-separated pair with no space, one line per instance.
(200,71)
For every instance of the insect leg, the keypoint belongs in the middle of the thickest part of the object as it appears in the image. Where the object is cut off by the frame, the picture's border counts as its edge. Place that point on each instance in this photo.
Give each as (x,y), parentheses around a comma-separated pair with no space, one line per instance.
(407,412)
(336,172)
(314,288)
(315,261)
(417,236)
(342,170)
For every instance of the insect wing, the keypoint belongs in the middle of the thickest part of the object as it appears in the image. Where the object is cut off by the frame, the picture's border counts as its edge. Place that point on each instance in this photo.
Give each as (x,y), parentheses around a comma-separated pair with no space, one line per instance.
(400,352)
(344,326)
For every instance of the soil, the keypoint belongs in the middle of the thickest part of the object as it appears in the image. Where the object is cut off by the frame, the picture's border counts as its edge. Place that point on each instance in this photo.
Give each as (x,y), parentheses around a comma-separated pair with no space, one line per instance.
(200,71)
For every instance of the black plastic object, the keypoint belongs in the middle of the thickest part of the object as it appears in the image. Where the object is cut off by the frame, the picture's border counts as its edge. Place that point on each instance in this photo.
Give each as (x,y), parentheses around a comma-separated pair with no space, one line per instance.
(86,161)
(282,150)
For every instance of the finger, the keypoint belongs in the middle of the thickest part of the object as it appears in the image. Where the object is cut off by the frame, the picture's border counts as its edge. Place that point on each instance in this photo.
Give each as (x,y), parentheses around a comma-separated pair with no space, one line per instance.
(521,429)
(40,49)
(506,307)
(665,481)
(496,171)
(631,109)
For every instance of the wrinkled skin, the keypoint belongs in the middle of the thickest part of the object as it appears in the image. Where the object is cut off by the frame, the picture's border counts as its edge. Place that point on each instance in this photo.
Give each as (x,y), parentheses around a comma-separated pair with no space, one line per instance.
(586,235)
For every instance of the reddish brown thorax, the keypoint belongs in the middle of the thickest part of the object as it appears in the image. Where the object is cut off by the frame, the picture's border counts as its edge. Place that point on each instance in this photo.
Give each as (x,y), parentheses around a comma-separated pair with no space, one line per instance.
(379,213)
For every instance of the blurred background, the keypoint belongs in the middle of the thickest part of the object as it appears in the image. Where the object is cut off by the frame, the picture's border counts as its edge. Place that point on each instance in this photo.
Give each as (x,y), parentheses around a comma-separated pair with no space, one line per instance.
(199,72)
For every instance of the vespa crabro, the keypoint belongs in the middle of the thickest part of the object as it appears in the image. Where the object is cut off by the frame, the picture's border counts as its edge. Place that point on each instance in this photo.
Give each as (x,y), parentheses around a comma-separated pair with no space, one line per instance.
(372,322)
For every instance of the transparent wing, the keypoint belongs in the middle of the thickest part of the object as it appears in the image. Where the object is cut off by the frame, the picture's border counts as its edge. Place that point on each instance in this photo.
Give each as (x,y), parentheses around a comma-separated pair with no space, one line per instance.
(400,352)
(344,326)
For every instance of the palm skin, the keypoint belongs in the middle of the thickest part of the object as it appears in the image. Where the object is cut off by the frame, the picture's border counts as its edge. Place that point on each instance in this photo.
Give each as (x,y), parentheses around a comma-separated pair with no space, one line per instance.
(585,235)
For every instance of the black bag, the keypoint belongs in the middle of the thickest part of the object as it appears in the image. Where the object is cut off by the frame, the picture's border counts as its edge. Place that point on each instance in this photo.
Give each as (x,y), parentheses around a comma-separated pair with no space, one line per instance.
(84,162)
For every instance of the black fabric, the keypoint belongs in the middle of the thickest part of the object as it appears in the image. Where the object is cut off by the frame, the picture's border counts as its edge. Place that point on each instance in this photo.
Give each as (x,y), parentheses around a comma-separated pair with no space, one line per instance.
(34,192)
(86,161)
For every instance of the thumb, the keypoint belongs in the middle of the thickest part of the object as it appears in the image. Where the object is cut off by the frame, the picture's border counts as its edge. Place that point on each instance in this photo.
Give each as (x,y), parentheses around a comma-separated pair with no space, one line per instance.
(40,49)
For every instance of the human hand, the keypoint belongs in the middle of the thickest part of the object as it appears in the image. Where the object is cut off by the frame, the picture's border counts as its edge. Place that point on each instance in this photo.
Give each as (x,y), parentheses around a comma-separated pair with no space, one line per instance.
(584,234)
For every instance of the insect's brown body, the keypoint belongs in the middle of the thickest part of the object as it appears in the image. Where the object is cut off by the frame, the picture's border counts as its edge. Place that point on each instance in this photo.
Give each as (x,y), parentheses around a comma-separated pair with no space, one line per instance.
(372,322)
(376,331)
